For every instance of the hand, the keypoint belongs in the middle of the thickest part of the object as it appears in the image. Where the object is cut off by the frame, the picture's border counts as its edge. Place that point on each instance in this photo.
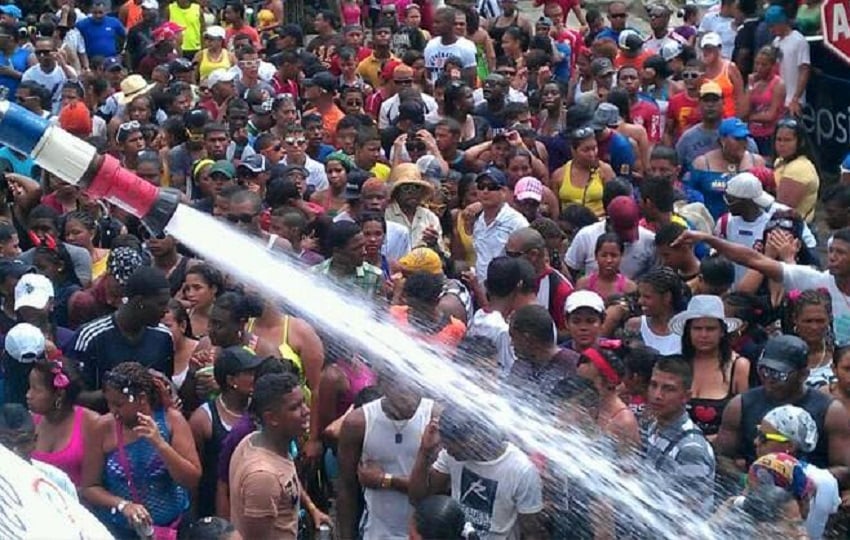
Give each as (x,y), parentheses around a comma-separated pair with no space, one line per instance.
(689,238)
(202,359)
(471,212)
(430,442)
(429,140)
(310,242)
(205,384)
(320,518)
(148,429)
(399,142)
(544,75)
(514,138)
(253,187)
(795,108)
(785,245)
(430,236)
(370,475)
(136,514)
(469,279)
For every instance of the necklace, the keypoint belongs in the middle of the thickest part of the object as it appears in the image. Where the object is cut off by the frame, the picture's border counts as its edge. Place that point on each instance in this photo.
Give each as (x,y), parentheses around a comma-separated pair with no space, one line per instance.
(228,411)
(398,426)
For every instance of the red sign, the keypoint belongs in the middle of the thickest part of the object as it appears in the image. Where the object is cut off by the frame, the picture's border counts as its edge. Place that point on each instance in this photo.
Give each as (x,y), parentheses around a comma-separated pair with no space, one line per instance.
(835,26)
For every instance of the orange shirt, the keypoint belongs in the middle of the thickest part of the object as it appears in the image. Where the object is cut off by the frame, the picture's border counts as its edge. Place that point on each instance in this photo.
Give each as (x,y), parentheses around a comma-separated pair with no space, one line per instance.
(134,13)
(636,61)
(330,120)
(450,335)
(229,32)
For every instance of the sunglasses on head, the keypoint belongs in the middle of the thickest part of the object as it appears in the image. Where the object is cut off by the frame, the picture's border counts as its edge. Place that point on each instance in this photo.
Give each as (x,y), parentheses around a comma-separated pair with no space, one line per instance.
(775,437)
(130,126)
(583,132)
(240,218)
(774,374)
(790,123)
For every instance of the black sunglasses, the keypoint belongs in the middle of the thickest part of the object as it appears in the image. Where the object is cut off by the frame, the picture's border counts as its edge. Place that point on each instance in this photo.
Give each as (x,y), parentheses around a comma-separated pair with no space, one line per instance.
(488,186)
(240,218)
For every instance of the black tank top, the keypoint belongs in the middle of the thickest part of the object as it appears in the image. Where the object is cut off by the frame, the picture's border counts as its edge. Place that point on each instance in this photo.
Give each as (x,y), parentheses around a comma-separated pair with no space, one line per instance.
(209,463)
(496,33)
(178,275)
(755,404)
(707,413)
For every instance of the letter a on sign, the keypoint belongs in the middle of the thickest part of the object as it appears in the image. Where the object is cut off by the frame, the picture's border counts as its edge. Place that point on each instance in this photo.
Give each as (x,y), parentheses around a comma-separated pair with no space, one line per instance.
(835,24)
(840,25)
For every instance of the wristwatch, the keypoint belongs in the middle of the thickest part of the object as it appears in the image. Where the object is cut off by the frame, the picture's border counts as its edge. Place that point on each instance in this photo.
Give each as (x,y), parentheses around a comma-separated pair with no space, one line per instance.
(119,508)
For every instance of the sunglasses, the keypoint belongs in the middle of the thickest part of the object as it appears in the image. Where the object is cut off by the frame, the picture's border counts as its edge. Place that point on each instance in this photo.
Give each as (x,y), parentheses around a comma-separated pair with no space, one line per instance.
(773,374)
(42,52)
(403,81)
(249,63)
(787,224)
(514,254)
(617,15)
(148,235)
(240,218)
(583,132)
(292,141)
(690,75)
(787,123)
(488,186)
(409,189)
(763,437)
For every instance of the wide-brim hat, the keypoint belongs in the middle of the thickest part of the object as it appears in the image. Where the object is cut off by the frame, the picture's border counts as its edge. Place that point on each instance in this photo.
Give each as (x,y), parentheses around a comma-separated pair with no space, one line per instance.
(133,86)
(703,306)
(408,174)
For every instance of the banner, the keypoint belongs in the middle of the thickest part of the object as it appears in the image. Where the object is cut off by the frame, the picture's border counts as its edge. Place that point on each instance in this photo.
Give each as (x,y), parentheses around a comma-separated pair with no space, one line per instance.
(826,116)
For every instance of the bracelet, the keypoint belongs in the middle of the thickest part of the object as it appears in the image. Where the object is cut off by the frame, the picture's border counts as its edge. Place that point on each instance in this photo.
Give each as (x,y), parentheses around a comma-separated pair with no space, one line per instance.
(386,481)
(119,508)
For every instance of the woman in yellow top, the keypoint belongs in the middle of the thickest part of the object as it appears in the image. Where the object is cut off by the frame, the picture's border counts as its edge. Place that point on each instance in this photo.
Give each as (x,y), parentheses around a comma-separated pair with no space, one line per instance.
(80,230)
(797,180)
(294,340)
(190,17)
(581,179)
(463,218)
(214,56)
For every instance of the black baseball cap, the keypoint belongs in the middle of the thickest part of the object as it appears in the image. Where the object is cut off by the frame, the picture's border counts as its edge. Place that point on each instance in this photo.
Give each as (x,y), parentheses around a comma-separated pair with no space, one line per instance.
(785,353)
(14,268)
(236,359)
(323,80)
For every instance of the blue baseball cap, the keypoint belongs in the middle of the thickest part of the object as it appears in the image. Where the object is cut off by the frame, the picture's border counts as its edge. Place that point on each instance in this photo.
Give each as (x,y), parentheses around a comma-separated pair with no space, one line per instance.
(845,165)
(735,128)
(12,11)
(775,15)
(494,174)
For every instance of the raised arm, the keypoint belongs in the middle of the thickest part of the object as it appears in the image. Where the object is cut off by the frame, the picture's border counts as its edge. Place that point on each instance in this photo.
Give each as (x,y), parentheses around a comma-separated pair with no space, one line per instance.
(734,252)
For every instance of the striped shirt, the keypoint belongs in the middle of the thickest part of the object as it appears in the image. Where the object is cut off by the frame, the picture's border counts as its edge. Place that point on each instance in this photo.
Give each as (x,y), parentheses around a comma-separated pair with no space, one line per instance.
(100,345)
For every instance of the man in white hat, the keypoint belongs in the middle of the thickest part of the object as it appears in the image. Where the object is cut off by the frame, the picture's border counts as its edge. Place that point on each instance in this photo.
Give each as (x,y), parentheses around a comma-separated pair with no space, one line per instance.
(750,210)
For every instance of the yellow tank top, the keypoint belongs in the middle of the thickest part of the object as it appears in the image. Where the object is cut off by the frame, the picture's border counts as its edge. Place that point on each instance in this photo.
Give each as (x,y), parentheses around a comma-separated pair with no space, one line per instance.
(98,267)
(190,19)
(207,65)
(465,240)
(288,353)
(589,196)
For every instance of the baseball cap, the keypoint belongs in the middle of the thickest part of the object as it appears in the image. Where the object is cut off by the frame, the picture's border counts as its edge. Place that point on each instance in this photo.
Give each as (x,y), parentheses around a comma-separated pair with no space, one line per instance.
(711,39)
(601,66)
(256,163)
(845,165)
(236,359)
(494,174)
(25,343)
(216,32)
(323,80)
(150,4)
(224,167)
(528,187)
(354,184)
(12,11)
(606,115)
(220,75)
(785,353)
(734,127)
(422,259)
(111,63)
(670,49)
(746,185)
(630,40)
(146,281)
(775,15)
(387,70)
(545,21)
(584,299)
(294,169)
(624,215)
(259,101)
(33,290)
(14,268)
(659,10)
(710,88)
(180,65)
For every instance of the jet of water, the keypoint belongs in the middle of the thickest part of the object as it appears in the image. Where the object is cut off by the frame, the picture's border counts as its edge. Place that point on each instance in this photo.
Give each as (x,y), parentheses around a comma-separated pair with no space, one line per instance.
(352,320)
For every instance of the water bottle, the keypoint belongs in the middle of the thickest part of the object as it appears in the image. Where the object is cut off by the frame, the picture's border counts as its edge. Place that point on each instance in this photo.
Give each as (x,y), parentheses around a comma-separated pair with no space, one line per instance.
(324,532)
(144,530)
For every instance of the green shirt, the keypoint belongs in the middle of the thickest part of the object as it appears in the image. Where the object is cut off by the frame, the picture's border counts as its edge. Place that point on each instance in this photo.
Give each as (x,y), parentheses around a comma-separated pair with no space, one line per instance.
(367,277)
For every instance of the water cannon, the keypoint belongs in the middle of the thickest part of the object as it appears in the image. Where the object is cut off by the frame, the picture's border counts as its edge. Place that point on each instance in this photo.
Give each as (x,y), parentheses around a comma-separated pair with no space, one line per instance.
(76,162)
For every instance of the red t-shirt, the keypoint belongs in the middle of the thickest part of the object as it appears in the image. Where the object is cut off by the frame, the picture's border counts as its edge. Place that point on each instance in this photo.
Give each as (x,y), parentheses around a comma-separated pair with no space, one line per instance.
(683,112)
(555,300)
(248,31)
(647,114)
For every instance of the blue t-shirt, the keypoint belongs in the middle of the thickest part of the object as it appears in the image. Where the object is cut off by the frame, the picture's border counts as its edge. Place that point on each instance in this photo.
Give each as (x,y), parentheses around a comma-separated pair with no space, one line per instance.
(17,61)
(562,69)
(617,151)
(101,36)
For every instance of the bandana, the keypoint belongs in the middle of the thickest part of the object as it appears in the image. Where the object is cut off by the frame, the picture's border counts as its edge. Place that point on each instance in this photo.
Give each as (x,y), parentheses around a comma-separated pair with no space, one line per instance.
(122,262)
(783,471)
(796,424)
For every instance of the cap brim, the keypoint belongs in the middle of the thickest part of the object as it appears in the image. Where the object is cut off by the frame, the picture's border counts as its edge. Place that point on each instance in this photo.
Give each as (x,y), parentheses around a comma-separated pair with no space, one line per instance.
(595,309)
(677,323)
(529,195)
(777,364)
(630,234)
(765,200)
(34,300)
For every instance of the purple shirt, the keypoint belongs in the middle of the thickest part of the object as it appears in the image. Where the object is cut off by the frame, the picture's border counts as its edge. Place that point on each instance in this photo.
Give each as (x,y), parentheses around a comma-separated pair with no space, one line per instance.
(244,427)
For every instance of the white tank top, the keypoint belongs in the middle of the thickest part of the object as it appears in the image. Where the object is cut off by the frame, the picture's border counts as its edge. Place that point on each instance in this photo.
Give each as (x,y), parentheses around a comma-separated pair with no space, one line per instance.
(665,345)
(392,444)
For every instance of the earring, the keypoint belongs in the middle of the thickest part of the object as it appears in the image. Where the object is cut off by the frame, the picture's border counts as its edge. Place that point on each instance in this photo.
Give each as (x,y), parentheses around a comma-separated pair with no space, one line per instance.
(233,386)
(57,404)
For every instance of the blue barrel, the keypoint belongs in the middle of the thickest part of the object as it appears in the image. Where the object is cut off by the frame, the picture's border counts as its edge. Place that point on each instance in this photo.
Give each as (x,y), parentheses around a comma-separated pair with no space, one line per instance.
(19,128)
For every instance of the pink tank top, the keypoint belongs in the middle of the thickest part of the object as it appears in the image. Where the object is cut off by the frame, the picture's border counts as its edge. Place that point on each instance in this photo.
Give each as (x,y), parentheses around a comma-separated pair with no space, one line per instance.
(350,13)
(760,102)
(593,281)
(69,459)
(358,379)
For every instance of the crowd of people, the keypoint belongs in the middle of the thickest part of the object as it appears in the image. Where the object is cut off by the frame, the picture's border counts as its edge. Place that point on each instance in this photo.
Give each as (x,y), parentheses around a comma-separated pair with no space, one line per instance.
(627,229)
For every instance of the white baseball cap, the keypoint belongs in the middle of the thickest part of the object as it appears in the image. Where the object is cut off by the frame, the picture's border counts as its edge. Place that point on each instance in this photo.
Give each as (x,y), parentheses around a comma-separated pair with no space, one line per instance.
(745,185)
(711,39)
(33,290)
(584,299)
(215,32)
(25,343)
(150,4)
(220,75)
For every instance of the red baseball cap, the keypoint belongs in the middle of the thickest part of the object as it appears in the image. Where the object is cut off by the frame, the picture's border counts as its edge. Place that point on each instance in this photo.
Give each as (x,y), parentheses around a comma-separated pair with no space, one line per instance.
(624,215)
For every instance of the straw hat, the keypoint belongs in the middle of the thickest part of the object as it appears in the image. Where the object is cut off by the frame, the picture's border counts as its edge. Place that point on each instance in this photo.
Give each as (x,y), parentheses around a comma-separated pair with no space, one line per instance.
(132,87)
(408,174)
(703,306)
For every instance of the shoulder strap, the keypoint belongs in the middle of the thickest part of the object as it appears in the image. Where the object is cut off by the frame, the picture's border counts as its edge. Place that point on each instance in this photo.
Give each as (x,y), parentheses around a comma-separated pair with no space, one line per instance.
(673,444)
(553,289)
(621,283)
(125,463)
(285,330)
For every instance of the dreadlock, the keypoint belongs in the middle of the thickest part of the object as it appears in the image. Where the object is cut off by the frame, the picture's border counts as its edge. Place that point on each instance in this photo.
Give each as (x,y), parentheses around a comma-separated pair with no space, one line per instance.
(666,280)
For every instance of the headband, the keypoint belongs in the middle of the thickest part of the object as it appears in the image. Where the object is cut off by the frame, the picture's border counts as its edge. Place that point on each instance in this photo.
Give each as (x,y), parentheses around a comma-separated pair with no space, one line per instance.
(602,365)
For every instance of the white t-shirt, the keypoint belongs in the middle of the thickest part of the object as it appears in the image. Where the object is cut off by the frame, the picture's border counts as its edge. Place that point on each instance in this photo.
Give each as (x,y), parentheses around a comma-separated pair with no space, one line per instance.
(715,22)
(493,326)
(436,55)
(795,52)
(53,81)
(825,503)
(494,493)
(514,96)
(638,257)
(389,109)
(489,239)
(805,278)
